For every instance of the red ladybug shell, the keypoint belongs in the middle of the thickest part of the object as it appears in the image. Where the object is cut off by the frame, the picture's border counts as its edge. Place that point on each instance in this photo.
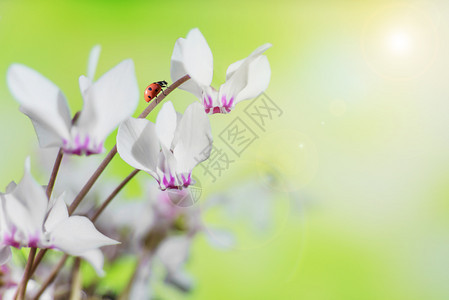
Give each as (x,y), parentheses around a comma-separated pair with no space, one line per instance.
(152,91)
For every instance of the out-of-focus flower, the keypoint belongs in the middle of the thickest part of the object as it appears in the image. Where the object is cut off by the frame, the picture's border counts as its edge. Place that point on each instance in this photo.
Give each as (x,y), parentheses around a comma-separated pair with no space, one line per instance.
(169,150)
(164,233)
(27,219)
(107,102)
(245,79)
(10,276)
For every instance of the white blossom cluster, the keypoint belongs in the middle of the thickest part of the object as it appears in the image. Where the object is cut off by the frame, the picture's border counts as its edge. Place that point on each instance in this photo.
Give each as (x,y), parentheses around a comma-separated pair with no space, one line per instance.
(168,150)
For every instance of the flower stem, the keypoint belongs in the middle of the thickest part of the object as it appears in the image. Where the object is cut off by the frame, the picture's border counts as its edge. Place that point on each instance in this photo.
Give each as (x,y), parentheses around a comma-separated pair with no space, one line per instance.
(52,277)
(54,173)
(113,194)
(21,289)
(75,293)
(57,164)
(86,188)
(38,259)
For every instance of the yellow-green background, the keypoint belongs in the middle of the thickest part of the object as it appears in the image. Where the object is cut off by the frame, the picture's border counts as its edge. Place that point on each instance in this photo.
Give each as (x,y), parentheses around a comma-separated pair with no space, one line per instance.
(362,147)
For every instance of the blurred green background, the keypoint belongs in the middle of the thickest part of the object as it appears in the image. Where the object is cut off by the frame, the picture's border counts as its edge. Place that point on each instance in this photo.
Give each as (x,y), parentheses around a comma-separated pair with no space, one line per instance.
(359,156)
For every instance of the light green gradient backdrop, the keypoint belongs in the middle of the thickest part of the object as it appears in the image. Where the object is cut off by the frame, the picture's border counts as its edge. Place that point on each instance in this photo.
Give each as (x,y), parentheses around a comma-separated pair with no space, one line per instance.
(371,174)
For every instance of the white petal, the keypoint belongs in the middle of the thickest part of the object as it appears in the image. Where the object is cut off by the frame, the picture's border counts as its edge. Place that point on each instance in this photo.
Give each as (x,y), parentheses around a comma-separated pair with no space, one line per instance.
(43,102)
(85,83)
(58,213)
(5,254)
(259,74)
(137,145)
(177,71)
(32,197)
(197,58)
(192,56)
(94,55)
(166,122)
(96,259)
(21,219)
(77,235)
(193,140)
(108,102)
(11,187)
(247,78)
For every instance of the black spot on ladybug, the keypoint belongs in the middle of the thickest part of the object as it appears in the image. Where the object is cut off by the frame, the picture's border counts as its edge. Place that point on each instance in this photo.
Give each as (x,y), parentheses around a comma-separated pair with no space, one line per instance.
(150,89)
(149,97)
(157,90)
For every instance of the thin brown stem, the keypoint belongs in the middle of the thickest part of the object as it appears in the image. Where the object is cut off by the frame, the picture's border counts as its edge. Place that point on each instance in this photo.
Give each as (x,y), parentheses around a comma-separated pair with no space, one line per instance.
(21,289)
(52,277)
(86,188)
(38,259)
(162,96)
(113,194)
(75,293)
(54,173)
(57,164)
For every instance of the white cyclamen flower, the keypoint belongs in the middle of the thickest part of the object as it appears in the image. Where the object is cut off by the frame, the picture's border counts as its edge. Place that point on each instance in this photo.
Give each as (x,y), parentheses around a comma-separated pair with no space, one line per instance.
(245,79)
(28,219)
(169,150)
(107,102)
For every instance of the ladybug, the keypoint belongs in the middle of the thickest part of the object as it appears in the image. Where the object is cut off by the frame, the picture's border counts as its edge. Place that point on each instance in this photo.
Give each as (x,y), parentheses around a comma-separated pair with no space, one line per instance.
(154,89)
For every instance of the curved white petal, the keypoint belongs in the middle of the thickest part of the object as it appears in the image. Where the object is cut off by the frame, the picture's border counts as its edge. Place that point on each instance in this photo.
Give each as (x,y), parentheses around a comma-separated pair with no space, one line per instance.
(137,145)
(10,187)
(177,71)
(96,259)
(57,214)
(166,123)
(5,254)
(43,102)
(108,102)
(234,67)
(193,139)
(192,56)
(247,78)
(94,55)
(21,221)
(258,79)
(85,83)
(77,235)
(32,197)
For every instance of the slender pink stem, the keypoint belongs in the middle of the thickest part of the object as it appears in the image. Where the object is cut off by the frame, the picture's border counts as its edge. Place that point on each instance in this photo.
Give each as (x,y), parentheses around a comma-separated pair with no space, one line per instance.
(21,289)
(52,277)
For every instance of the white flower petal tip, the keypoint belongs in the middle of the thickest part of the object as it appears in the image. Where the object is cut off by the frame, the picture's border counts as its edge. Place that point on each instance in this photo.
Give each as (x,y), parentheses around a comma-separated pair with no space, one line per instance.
(94,56)
(169,150)
(96,259)
(245,79)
